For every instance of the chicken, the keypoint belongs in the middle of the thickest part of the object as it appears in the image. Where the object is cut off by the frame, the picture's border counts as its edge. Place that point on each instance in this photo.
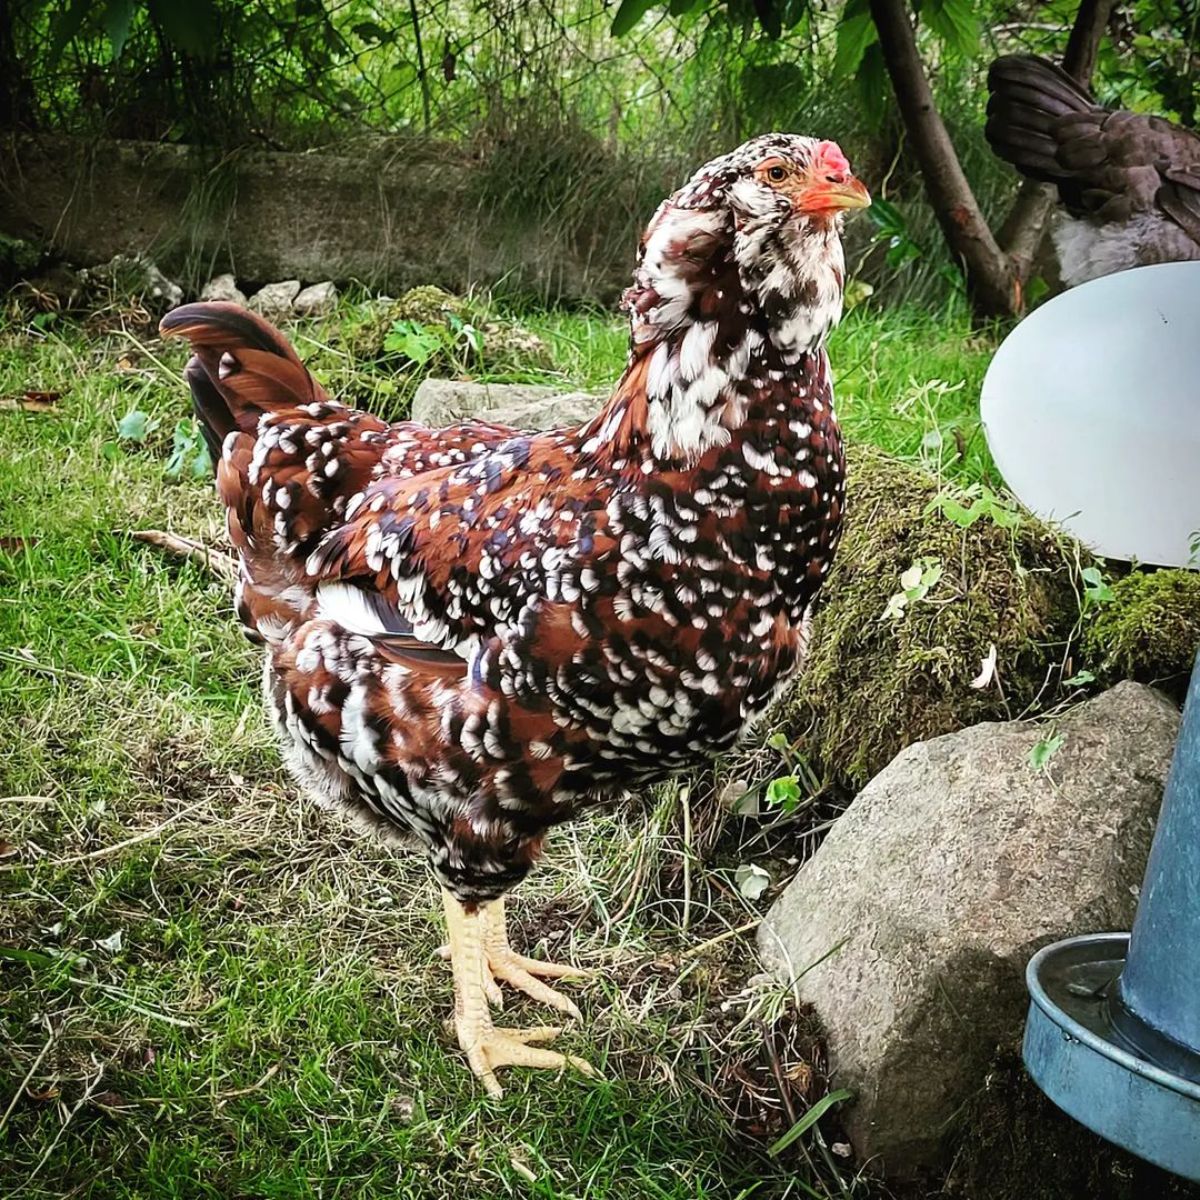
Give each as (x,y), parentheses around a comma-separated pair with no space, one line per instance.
(472,634)
(1129,183)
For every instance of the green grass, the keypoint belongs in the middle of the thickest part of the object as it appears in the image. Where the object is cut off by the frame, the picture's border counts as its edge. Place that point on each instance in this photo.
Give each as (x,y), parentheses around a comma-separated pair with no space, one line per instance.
(270,1023)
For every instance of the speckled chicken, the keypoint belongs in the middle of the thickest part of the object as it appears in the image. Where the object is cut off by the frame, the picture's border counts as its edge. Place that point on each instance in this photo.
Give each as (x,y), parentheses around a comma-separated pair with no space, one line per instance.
(473,633)
(1129,183)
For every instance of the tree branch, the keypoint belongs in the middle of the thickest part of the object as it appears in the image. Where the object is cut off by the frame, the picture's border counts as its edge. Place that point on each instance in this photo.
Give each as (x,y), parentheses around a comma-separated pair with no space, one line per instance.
(1083,46)
(991,280)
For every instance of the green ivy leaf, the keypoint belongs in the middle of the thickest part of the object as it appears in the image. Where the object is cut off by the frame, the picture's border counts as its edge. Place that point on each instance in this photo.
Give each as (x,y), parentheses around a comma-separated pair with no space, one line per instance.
(64,28)
(135,426)
(1045,749)
(414,341)
(118,16)
(955,22)
(628,15)
(855,32)
(784,793)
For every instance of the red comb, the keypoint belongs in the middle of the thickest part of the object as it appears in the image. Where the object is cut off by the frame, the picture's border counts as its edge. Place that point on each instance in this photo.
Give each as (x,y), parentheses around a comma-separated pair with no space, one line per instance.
(829,155)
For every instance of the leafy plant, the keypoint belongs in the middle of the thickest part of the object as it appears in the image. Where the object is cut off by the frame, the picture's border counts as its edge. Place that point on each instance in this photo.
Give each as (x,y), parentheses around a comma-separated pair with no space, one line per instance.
(915,584)
(1096,589)
(416,342)
(1044,749)
(420,343)
(795,790)
(983,503)
(892,229)
(136,426)
(189,455)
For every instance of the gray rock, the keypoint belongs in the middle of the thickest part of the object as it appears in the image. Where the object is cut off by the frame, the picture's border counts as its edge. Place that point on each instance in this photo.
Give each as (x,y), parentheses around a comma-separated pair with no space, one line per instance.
(275,300)
(909,929)
(316,300)
(523,406)
(134,276)
(223,287)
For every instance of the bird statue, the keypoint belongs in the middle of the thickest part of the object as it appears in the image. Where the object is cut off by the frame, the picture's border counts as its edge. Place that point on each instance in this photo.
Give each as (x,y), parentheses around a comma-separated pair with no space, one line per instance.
(473,634)
(1129,183)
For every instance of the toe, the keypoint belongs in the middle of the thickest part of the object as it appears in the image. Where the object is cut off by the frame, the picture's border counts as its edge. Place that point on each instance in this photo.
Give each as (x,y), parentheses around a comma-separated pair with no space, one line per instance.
(549,970)
(535,989)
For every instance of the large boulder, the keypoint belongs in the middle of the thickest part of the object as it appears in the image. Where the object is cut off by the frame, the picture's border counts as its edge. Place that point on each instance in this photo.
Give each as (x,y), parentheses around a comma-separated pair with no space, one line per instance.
(910,928)
(523,406)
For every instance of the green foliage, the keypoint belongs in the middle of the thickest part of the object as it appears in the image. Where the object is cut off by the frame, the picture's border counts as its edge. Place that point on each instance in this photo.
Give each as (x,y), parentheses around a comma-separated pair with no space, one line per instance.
(893,232)
(1096,590)
(135,426)
(976,502)
(1044,749)
(189,457)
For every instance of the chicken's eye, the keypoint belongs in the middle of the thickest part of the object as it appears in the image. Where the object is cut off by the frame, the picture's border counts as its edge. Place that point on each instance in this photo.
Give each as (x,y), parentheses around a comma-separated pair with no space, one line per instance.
(776,174)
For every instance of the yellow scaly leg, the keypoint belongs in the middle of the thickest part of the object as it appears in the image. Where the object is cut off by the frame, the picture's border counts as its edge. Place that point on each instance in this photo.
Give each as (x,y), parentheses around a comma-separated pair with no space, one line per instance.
(486,1047)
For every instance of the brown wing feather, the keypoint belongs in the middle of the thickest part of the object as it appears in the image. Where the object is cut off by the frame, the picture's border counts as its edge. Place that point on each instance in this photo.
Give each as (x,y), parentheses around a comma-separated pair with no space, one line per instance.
(1107,165)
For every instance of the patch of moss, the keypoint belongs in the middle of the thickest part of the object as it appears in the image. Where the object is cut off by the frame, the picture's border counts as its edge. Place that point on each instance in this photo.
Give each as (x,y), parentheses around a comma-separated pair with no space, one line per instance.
(492,343)
(874,684)
(429,305)
(1149,631)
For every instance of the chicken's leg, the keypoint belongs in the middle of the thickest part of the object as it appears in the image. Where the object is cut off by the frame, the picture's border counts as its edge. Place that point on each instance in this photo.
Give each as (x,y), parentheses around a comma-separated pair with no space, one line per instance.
(504,963)
(487,1047)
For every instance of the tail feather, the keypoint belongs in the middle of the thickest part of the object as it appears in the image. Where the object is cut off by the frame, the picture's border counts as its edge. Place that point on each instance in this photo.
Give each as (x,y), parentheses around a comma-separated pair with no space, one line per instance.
(216,421)
(1030,98)
(241,367)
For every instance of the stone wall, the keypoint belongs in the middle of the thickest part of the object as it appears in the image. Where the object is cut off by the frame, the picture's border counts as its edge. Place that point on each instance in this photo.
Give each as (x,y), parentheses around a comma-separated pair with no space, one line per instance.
(390,214)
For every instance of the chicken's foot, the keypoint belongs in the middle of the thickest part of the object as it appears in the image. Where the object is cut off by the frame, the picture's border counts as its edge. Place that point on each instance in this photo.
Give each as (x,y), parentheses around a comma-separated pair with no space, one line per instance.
(488,1048)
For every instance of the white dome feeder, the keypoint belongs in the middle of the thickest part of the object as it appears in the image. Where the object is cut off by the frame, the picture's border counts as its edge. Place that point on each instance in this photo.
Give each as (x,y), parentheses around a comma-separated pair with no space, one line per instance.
(1092,411)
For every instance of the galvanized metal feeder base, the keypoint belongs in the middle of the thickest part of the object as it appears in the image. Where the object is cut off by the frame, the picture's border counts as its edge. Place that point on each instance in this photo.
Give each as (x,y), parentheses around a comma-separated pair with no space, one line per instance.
(1098,1062)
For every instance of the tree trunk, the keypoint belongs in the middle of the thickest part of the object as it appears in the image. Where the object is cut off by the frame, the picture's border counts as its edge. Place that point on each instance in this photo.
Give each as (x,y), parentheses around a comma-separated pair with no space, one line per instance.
(996,268)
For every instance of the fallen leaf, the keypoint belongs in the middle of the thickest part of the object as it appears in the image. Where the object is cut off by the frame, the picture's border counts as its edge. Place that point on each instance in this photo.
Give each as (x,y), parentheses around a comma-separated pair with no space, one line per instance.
(16,545)
(522,1169)
(751,880)
(51,1093)
(987,671)
(35,402)
(7,849)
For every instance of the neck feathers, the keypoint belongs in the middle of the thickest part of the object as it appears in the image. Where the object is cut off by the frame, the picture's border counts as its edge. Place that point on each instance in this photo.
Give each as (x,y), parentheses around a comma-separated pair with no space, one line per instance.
(717,308)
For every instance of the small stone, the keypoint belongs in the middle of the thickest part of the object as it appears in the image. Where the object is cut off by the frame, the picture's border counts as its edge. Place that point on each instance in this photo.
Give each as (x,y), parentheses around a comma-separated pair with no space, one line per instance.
(316,300)
(135,277)
(910,928)
(223,287)
(441,402)
(731,796)
(274,301)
